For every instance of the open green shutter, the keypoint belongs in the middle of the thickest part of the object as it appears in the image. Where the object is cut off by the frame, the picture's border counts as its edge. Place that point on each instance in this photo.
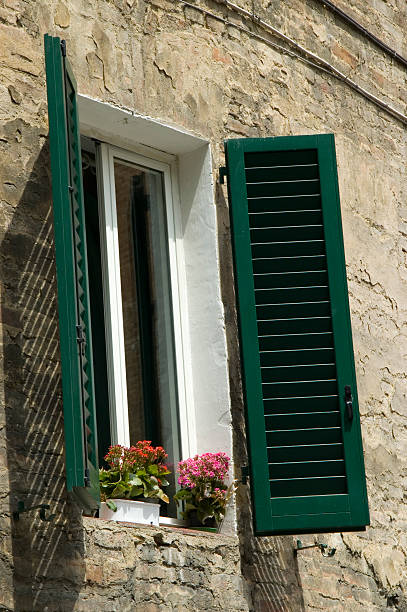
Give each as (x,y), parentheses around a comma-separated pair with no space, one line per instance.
(72,278)
(304,439)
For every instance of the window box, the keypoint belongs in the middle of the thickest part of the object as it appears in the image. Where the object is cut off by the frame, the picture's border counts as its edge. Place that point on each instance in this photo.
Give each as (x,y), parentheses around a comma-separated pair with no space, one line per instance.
(131,511)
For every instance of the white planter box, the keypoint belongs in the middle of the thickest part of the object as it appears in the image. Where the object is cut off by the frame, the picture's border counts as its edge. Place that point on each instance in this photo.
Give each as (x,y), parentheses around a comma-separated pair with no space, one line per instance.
(132,511)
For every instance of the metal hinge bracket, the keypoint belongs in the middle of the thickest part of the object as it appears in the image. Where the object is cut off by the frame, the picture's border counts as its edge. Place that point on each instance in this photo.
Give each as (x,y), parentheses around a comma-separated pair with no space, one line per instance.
(245,473)
(222,174)
(80,339)
(21,509)
(87,478)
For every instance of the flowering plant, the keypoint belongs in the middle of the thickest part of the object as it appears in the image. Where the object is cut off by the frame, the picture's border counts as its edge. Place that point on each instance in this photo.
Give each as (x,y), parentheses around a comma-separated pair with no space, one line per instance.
(204,491)
(134,472)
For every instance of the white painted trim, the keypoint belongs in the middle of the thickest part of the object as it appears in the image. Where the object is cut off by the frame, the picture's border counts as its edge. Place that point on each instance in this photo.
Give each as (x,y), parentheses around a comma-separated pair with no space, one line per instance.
(185,377)
(178,290)
(131,130)
(116,363)
(203,338)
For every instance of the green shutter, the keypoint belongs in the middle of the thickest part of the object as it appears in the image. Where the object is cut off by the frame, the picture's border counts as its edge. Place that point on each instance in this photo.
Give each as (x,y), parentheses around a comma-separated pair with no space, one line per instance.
(72,278)
(305,449)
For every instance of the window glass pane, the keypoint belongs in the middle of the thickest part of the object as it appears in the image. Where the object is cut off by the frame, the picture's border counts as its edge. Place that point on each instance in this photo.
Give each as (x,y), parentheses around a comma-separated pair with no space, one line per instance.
(147,311)
(125,180)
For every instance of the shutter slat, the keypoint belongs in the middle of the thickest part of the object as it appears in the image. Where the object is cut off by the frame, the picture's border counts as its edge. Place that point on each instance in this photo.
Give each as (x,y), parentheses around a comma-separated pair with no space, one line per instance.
(293,310)
(283,188)
(297,372)
(299,388)
(305,452)
(286,234)
(291,326)
(317,403)
(295,341)
(294,248)
(280,158)
(292,202)
(298,469)
(284,295)
(303,420)
(289,264)
(323,485)
(272,280)
(295,437)
(282,173)
(285,218)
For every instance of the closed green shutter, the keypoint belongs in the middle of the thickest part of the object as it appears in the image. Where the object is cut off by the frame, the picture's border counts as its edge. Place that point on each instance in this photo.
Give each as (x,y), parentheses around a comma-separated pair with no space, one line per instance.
(304,439)
(72,278)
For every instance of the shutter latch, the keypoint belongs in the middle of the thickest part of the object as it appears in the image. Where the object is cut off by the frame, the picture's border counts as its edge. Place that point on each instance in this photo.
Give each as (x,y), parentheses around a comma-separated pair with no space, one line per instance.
(349,402)
(245,473)
(80,339)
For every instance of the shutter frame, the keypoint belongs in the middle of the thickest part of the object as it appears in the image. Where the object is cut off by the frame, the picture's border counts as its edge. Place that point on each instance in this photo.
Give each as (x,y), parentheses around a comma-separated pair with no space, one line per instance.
(295,514)
(72,280)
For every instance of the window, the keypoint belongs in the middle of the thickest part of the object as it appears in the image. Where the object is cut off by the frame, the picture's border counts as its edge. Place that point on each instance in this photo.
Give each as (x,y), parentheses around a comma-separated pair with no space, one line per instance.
(306,458)
(153,263)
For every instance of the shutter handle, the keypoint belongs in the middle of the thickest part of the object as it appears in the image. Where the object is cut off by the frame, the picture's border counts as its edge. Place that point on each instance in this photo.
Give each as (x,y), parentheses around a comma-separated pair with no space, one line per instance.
(349,402)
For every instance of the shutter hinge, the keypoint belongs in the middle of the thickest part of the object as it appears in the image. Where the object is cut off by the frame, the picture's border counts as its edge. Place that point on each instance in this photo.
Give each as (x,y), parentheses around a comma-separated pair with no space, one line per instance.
(63,48)
(80,339)
(21,509)
(244,473)
(326,551)
(222,174)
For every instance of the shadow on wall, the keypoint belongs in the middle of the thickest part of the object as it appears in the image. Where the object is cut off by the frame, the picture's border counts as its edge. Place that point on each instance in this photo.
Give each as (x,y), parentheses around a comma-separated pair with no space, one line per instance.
(268,563)
(43,561)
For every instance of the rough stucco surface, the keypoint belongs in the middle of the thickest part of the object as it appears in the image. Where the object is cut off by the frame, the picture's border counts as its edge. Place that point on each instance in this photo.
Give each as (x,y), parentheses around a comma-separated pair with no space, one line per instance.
(173,63)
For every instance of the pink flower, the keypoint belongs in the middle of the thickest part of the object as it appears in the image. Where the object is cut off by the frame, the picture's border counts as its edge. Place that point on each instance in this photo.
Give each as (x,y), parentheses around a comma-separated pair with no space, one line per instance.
(208,468)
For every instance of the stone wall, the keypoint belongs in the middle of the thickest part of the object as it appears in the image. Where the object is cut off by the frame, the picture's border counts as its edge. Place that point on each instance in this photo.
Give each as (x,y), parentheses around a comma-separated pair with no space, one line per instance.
(160,569)
(176,63)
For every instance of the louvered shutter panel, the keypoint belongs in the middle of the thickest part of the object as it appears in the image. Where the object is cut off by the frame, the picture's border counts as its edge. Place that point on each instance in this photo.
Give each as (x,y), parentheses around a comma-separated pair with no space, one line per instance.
(72,278)
(304,439)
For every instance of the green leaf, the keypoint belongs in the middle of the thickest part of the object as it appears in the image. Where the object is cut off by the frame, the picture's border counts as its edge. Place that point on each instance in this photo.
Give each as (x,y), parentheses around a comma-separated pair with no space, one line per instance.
(135,481)
(119,491)
(153,469)
(163,472)
(135,492)
(163,496)
(110,504)
(182,494)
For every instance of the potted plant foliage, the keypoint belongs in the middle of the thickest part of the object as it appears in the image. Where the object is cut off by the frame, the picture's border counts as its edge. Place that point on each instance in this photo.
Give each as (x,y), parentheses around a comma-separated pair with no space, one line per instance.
(203,492)
(131,488)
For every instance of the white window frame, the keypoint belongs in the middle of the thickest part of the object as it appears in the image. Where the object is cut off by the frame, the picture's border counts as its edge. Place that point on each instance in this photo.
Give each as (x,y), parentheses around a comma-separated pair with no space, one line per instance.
(118,404)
